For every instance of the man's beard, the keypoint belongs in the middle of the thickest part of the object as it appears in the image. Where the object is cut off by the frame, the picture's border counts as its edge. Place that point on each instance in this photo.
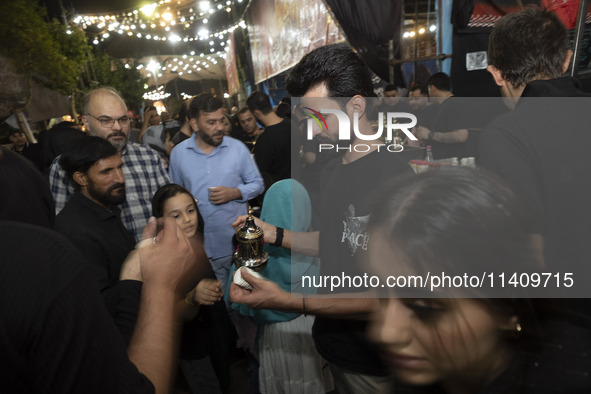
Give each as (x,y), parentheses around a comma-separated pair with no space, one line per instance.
(107,198)
(209,140)
(119,145)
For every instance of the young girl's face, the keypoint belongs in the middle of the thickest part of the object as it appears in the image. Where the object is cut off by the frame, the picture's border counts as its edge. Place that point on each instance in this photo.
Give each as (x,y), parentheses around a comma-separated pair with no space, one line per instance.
(182,208)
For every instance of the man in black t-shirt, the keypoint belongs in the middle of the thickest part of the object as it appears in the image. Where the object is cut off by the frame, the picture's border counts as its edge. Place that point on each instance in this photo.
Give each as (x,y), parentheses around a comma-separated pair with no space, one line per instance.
(250,130)
(449,130)
(425,110)
(330,72)
(541,147)
(21,146)
(393,100)
(91,221)
(272,151)
(49,305)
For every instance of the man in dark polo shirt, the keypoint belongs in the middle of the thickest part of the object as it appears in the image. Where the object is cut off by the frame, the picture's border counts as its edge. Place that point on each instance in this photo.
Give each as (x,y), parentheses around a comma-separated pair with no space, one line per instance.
(91,221)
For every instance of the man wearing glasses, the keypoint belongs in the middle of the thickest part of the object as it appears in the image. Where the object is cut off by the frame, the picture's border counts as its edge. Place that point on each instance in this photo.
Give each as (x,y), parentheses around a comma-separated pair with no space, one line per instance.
(105,116)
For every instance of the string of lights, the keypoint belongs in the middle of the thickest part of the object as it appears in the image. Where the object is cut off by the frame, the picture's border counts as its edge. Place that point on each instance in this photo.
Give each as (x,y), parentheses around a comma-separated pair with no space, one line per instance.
(159,23)
(181,64)
(172,21)
(157,94)
(420,31)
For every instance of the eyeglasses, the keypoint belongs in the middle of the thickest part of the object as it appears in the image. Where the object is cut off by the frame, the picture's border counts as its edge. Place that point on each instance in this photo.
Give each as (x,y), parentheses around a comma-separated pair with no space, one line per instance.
(109,122)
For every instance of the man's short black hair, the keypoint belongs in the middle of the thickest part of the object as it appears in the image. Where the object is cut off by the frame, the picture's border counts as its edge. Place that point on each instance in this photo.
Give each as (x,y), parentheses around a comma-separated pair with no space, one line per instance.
(528,45)
(422,88)
(259,101)
(441,81)
(336,66)
(184,111)
(389,87)
(204,102)
(243,110)
(12,132)
(83,153)
(283,109)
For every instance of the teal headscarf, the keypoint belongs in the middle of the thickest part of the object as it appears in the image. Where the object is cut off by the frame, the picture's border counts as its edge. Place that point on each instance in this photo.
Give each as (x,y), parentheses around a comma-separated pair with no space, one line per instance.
(286,205)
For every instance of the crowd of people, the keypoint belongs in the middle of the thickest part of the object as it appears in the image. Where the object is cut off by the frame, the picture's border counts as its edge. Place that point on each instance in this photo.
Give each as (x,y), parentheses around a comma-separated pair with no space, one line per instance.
(118,259)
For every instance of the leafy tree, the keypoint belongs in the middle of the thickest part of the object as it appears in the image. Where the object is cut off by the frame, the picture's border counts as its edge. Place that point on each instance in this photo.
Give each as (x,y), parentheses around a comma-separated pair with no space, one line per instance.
(56,56)
(42,52)
(104,70)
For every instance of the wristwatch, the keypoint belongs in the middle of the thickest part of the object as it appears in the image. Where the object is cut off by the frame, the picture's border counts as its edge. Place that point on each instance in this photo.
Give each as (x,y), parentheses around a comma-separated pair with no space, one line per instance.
(278,237)
(431,135)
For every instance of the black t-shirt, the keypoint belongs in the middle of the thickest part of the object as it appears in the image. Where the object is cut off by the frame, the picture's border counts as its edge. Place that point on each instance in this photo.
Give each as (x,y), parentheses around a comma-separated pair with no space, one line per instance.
(179,137)
(33,153)
(250,141)
(541,148)
(427,115)
(272,152)
(343,243)
(100,235)
(56,335)
(451,115)
(241,135)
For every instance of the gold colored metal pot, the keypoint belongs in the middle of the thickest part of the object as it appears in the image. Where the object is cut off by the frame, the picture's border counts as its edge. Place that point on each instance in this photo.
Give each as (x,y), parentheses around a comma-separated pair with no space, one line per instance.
(249,246)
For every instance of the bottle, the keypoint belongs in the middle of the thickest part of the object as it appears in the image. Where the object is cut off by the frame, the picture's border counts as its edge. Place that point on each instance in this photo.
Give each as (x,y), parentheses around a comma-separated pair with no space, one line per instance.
(429,154)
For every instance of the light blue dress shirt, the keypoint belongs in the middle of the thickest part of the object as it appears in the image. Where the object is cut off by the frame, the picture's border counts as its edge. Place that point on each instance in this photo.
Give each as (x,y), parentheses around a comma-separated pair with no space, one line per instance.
(229,164)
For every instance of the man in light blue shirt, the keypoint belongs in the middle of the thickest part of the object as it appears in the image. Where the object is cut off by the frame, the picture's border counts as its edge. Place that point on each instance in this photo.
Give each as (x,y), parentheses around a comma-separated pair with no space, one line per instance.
(221,174)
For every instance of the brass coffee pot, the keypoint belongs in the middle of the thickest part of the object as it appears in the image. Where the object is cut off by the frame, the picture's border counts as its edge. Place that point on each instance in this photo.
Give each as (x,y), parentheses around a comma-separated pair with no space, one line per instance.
(249,245)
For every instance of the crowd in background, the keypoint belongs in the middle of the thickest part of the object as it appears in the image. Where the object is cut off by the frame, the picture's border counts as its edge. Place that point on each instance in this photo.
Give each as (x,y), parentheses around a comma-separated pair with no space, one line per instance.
(525,208)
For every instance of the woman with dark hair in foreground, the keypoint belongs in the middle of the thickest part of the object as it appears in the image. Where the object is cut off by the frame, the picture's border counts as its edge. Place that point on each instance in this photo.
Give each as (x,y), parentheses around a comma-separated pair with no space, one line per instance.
(464,339)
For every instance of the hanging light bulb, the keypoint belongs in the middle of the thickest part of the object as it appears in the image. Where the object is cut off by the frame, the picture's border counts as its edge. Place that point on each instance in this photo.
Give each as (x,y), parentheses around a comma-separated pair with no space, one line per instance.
(148,9)
(204,6)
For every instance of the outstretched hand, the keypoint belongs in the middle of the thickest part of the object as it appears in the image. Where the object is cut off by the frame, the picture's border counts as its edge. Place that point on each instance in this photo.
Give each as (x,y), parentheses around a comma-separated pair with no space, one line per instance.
(168,261)
(265,294)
